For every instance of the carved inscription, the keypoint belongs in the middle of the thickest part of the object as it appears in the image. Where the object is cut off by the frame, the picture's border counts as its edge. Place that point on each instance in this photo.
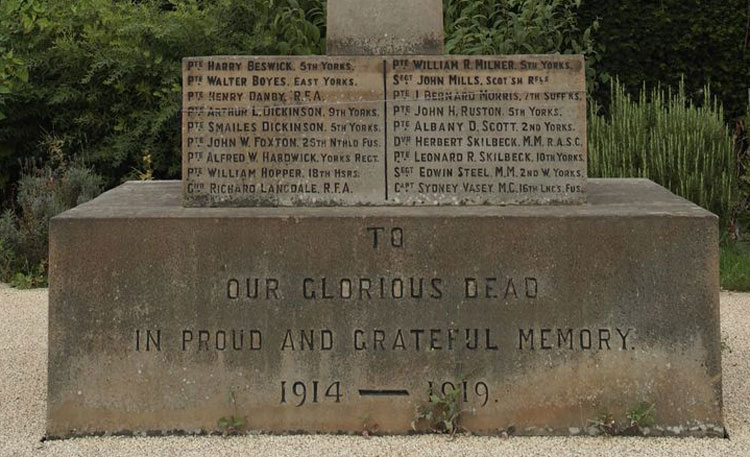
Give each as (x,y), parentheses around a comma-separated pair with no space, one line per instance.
(270,131)
(506,292)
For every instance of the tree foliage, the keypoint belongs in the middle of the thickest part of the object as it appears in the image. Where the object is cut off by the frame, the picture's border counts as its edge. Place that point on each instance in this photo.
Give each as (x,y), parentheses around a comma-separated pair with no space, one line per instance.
(662,42)
(519,27)
(104,77)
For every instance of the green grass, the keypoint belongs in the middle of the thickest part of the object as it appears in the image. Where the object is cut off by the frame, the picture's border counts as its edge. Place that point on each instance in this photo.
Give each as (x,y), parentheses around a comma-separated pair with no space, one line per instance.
(734,266)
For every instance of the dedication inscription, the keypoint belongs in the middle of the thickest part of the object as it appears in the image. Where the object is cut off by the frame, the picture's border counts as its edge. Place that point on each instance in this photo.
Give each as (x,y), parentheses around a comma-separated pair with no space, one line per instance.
(409,130)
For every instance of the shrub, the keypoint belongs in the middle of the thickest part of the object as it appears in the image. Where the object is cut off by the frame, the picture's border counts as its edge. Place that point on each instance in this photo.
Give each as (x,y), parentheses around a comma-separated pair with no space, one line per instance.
(43,192)
(665,137)
(7,257)
(104,77)
(741,209)
(519,27)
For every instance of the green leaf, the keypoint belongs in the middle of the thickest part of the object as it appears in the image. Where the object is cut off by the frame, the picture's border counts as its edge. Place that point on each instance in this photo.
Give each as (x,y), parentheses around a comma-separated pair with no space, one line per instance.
(23,74)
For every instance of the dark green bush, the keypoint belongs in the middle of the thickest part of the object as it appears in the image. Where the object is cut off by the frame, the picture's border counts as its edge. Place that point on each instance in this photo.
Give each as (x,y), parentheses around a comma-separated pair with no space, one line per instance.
(741,211)
(665,137)
(660,42)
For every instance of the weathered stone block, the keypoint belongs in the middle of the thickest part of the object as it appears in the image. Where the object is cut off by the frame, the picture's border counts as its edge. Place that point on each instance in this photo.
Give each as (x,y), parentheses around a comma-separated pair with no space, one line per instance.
(334,320)
(364,27)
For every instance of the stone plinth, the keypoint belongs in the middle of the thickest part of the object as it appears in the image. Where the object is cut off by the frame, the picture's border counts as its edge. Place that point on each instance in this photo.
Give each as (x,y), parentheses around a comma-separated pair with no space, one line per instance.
(164,318)
(365,27)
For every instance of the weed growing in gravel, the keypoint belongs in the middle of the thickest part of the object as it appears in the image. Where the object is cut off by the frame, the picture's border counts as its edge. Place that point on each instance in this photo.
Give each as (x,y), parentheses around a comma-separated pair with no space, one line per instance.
(605,423)
(642,415)
(441,414)
(233,424)
(369,426)
(638,419)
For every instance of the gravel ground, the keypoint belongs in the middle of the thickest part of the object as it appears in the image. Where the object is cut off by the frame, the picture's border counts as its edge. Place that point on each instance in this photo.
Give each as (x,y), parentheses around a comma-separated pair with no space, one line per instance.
(23,363)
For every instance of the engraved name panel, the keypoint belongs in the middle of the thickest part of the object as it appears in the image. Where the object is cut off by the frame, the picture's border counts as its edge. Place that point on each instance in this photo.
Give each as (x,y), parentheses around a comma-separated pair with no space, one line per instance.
(422,130)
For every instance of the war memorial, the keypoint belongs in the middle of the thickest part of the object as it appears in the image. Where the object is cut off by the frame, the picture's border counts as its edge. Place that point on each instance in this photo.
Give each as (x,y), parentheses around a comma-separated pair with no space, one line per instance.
(362,236)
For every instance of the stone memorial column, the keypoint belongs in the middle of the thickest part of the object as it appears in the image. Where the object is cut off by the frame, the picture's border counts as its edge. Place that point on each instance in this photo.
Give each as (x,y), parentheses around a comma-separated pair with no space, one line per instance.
(384,27)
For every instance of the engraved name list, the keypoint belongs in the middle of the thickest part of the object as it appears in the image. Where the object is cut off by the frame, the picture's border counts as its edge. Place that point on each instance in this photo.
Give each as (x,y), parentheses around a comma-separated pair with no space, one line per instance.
(324,131)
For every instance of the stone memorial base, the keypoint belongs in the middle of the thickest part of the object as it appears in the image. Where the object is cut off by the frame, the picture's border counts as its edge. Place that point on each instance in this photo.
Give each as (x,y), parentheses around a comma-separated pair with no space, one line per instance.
(544,319)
